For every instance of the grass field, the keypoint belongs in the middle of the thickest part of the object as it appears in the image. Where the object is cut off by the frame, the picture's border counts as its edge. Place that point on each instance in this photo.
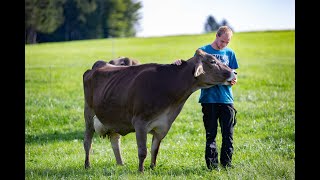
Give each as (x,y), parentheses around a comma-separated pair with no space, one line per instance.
(264,137)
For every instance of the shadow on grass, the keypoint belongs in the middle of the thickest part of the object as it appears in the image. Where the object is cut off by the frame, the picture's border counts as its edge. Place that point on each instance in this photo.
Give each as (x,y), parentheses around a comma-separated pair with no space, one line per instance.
(110,170)
(53,137)
(279,137)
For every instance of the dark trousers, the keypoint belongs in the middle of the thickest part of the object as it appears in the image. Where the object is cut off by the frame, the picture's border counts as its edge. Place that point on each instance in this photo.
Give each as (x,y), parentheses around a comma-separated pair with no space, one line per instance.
(226,115)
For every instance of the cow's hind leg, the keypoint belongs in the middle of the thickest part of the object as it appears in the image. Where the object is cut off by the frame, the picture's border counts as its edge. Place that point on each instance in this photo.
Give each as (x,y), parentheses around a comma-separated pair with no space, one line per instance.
(115,142)
(89,131)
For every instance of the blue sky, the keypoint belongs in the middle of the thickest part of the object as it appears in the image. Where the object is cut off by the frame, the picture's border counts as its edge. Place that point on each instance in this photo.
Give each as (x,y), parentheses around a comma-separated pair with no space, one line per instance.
(178,17)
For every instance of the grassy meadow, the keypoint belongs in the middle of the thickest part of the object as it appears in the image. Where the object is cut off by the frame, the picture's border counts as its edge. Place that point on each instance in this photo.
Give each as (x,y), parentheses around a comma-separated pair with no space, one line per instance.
(264,137)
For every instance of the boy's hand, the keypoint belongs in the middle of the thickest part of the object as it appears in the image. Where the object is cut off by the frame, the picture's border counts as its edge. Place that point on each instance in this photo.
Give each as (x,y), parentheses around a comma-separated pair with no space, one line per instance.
(177,62)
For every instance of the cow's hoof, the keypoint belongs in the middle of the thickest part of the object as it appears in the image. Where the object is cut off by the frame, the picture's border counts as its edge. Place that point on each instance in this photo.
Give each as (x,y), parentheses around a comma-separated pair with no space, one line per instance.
(152,166)
(141,170)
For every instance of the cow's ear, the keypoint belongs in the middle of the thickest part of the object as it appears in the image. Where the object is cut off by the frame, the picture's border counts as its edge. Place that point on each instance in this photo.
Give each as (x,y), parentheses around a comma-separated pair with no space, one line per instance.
(198,69)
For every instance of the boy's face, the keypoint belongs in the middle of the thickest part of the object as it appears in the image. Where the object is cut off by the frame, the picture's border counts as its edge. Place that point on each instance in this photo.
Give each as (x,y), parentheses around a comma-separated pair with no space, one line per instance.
(223,40)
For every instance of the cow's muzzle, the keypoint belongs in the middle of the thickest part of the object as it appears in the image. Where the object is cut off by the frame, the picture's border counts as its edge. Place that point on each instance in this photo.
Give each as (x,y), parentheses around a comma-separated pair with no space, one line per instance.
(233,76)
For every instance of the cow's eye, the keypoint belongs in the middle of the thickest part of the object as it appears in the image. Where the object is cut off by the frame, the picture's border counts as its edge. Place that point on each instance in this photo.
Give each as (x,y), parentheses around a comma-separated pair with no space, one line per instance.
(213,62)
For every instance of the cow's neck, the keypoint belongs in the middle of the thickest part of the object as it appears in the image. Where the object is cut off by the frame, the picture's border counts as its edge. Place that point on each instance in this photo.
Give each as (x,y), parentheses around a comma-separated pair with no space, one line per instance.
(188,83)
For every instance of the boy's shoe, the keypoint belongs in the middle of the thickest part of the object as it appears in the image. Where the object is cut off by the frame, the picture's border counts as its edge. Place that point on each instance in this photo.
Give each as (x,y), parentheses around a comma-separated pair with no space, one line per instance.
(213,166)
(228,165)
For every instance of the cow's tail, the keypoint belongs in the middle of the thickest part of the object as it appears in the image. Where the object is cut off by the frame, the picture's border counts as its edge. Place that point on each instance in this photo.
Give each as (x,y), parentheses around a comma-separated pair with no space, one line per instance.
(87,87)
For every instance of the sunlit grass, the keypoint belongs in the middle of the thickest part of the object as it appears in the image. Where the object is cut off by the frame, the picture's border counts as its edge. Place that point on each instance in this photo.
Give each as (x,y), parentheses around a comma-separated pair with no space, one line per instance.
(264,137)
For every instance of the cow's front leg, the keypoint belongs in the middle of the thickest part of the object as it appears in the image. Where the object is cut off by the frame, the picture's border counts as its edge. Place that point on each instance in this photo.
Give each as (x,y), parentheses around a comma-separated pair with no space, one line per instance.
(141,137)
(115,142)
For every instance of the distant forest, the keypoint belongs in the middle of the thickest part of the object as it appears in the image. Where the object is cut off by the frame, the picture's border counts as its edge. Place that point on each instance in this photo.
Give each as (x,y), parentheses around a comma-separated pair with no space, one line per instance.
(66,20)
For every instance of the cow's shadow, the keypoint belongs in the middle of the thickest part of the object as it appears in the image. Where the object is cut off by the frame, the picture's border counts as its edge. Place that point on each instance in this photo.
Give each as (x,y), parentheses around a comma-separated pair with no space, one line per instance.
(54,136)
(105,167)
(109,170)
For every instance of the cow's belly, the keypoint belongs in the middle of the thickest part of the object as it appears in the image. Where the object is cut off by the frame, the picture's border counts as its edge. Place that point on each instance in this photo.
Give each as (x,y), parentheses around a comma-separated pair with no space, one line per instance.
(162,123)
(158,124)
(111,118)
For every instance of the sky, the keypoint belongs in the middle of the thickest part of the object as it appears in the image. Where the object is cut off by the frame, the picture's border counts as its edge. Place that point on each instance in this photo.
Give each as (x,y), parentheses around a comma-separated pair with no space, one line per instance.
(182,17)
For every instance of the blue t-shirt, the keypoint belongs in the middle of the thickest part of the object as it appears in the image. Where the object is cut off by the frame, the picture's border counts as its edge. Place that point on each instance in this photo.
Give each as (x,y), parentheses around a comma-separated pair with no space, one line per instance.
(219,93)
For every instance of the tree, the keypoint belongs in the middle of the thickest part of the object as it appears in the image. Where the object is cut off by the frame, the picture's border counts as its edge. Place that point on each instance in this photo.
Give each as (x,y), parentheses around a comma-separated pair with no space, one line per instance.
(80,19)
(211,24)
(75,13)
(42,16)
(224,22)
(122,18)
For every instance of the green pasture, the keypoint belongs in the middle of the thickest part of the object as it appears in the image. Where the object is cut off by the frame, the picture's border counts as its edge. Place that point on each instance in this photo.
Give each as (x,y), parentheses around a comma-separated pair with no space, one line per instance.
(264,137)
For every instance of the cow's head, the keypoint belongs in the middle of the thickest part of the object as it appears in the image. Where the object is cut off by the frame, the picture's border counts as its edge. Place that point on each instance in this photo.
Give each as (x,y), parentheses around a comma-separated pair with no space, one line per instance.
(210,71)
(124,61)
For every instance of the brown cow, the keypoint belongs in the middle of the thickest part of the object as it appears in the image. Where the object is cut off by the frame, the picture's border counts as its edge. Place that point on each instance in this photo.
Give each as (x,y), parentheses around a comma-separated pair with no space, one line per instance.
(124,61)
(121,61)
(144,98)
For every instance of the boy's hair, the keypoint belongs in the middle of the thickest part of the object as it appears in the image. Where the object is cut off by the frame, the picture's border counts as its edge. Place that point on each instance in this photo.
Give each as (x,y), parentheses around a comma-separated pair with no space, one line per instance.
(224,29)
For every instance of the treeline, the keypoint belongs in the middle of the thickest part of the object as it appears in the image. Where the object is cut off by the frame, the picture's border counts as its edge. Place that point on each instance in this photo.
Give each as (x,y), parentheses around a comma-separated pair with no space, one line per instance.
(212,25)
(65,20)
